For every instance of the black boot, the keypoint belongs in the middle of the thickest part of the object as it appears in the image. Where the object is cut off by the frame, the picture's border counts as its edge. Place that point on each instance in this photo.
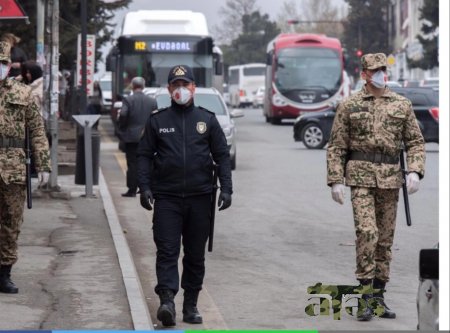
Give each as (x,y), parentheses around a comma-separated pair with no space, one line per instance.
(166,311)
(6,285)
(379,298)
(190,311)
(365,312)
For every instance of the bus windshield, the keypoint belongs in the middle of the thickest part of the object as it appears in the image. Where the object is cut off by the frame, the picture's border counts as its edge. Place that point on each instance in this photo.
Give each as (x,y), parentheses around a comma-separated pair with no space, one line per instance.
(308,68)
(154,68)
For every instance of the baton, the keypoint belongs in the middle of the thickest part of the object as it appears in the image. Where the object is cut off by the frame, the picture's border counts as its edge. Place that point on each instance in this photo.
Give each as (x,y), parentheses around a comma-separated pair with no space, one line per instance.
(405,189)
(213,207)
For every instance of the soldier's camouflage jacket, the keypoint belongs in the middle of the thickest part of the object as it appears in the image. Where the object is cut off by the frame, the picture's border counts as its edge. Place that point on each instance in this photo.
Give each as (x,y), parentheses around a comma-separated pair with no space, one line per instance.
(367,124)
(18,108)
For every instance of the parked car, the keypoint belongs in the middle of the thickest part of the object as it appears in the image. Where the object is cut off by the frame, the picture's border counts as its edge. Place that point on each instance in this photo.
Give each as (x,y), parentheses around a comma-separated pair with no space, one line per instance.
(431,82)
(313,128)
(211,99)
(258,97)
(411,83)
(428,293)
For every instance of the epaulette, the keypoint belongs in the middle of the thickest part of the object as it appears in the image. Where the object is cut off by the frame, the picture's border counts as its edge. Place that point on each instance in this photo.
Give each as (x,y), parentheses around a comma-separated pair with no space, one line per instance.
(158,110)
(202,108)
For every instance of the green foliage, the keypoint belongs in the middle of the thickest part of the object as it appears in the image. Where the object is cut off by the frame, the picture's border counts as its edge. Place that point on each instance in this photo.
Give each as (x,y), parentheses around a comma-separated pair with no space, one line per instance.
(250,45)
(98,12)
(428,38)
(366,29)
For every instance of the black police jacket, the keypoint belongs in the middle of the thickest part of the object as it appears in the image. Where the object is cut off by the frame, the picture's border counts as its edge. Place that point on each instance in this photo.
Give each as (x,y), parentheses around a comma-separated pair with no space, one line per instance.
(176,153)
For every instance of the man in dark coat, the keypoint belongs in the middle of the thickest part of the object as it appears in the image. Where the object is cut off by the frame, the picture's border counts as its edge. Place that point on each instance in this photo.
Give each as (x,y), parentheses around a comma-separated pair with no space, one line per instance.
(136,109)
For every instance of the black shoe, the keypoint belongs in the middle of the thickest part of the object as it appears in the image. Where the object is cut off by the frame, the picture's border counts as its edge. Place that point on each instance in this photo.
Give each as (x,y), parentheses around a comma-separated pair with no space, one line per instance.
(190,311)
(387,312)
(166,311)
(129,194)
(365,312)
(166,315)
(6,284)
(191,315)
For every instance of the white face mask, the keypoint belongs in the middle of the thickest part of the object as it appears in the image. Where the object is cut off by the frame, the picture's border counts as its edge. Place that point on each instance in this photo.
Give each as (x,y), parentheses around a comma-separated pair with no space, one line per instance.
(181,95)
(379,79)
(4,70)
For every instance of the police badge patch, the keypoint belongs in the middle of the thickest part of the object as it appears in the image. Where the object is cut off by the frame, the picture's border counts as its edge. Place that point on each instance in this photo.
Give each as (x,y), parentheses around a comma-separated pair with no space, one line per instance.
(201,127)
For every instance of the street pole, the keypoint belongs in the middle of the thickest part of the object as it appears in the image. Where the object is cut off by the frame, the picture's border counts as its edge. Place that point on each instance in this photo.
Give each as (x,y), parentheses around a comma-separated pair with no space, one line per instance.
(40,25)
(54,93)
(83,98)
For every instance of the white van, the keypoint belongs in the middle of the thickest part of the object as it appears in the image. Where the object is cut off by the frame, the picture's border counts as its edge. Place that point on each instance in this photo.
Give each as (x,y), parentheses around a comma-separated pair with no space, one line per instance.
(243,81)
(105,86)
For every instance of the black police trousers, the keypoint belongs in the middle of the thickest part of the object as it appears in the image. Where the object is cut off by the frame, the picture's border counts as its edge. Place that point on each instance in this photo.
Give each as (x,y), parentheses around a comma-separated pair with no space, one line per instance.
(177,220)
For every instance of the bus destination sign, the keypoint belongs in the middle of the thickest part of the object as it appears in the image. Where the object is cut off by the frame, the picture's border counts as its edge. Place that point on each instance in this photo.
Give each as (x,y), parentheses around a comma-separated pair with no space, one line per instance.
(164,46)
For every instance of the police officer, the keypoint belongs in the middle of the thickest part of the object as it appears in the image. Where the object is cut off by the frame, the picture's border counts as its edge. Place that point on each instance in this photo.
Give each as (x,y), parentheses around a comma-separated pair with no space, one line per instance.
(175,170)
(18,109)
(368,132)
(136,109)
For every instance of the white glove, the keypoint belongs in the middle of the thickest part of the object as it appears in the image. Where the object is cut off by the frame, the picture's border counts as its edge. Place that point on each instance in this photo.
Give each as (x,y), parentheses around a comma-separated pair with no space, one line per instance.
(412,182)
(337,193)
(43,177)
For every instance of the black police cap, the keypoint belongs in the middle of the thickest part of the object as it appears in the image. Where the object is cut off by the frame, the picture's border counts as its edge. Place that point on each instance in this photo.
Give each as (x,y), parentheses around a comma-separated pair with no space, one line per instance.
(181,72)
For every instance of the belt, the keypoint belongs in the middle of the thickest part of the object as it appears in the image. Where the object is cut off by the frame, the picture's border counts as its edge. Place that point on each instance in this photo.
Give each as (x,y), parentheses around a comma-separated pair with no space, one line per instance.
(373,157)
(7,142)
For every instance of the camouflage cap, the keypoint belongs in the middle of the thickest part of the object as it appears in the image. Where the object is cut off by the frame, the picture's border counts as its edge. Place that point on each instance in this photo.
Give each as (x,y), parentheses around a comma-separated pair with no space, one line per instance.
(373,61)
(5,51)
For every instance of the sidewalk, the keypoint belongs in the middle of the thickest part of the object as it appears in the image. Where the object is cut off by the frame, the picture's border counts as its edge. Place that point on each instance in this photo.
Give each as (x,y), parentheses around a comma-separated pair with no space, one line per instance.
(74,269)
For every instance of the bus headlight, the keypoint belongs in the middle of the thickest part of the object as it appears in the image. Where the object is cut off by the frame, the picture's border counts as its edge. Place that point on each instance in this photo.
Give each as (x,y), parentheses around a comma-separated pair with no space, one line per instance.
(277,100)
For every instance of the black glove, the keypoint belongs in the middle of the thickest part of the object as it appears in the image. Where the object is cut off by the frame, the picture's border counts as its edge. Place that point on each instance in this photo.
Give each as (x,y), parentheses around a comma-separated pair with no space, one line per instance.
(224,200)
(147,199)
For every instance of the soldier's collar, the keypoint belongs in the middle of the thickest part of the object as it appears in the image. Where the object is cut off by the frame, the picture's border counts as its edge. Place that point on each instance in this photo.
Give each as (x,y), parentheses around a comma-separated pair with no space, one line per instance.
(387,92)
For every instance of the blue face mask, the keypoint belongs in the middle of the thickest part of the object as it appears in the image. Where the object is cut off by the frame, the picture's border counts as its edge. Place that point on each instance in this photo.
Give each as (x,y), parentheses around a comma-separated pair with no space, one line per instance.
(4,70)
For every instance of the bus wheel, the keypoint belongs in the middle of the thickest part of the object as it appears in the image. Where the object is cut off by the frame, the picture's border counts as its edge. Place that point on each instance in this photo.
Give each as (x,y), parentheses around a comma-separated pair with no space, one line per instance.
(312,137)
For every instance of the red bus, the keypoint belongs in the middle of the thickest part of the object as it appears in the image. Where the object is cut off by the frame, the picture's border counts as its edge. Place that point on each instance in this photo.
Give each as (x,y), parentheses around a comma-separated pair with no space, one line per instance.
(304,73)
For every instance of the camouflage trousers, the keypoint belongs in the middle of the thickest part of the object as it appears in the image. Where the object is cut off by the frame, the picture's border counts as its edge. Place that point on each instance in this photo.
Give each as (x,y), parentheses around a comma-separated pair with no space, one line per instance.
(374,213)
(12,199)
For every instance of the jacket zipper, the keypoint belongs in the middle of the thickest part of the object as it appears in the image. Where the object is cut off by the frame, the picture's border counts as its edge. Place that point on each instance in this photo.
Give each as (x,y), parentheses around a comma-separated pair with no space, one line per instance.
(184,154)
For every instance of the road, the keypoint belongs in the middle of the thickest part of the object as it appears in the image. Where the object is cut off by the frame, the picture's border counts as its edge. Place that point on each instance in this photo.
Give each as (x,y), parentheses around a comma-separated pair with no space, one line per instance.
(282,234)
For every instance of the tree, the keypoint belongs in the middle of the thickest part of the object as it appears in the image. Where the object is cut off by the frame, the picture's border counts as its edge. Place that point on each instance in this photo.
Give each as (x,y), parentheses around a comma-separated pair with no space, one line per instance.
(429,37)
(99,13)
(312,11)
(231,25)
(251,44)
(366,29)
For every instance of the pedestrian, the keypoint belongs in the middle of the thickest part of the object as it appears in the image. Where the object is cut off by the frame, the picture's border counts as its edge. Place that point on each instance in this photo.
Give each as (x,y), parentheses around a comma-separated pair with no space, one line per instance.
(18,110)
(368,132)
(136,108)
(18,56)
(175,170)
(95,102)
(32,76)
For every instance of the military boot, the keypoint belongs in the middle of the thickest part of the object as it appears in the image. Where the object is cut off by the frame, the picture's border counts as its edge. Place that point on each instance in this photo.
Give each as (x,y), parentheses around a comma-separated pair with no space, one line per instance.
(379,297)
(190,311)
(365,313)
(166,311)
(6,285)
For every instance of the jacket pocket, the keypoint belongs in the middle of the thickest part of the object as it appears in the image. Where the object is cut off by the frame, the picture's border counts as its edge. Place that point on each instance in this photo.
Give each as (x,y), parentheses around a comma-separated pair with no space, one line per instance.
(361,124)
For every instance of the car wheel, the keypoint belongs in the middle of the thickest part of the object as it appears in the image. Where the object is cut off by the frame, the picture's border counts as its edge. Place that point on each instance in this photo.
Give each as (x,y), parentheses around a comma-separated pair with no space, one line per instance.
(312,137)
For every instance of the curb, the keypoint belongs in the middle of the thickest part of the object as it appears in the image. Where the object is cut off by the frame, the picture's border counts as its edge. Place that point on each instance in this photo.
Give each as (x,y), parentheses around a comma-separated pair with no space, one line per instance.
(136,299)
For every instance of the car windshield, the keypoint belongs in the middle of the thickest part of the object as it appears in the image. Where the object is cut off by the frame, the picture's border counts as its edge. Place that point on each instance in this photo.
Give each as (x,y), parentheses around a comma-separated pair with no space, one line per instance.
(306,68)
(211,102)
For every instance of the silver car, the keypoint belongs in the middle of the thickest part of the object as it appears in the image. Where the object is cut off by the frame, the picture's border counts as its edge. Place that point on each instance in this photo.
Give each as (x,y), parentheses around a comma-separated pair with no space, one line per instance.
(211,99)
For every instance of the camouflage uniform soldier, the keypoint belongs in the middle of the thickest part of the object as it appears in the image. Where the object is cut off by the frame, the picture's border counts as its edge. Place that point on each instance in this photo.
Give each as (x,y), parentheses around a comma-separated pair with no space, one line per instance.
(18,109)
(368,132)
